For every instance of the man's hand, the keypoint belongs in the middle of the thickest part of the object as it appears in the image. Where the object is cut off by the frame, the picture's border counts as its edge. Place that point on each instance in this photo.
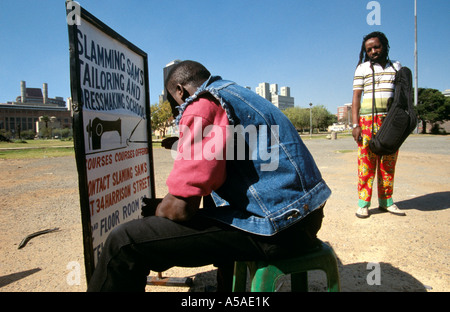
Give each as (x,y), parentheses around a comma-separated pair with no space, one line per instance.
(169,143)
(178,209)
(356,132)
(149,206)
(356,105)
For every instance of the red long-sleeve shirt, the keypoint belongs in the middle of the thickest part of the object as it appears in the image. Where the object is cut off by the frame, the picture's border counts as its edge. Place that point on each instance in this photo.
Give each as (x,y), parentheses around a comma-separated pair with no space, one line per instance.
(200,165)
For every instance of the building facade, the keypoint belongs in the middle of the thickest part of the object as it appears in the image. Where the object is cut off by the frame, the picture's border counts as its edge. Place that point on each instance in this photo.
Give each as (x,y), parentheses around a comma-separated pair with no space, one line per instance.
(28,110)
(166,70)
(282,100)
(344,113)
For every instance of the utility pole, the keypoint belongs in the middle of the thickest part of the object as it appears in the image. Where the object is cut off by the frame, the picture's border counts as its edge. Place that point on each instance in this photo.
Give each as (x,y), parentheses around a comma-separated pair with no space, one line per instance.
(416,91)
(416,80)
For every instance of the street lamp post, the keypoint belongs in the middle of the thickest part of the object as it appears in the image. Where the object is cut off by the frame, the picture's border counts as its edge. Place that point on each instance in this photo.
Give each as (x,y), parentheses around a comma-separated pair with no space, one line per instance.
(310,120)
(348,118)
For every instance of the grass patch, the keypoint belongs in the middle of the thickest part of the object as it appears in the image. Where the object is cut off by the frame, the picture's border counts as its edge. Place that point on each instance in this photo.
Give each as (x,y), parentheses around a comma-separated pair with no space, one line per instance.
(41,149)
(345,151)
(36,153)
(324,135)
(36,149)
(35,143)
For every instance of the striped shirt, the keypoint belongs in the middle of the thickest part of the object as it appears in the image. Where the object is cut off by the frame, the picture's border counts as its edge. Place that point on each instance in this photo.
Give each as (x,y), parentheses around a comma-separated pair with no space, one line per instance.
(384,85)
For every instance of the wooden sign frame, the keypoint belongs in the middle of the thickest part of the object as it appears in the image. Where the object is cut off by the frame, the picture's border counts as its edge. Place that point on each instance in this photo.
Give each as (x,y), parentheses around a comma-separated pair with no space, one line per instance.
(112,128)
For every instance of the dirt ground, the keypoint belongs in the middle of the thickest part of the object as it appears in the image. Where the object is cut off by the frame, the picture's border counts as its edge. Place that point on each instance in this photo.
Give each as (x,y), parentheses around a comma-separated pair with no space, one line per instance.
(382,253)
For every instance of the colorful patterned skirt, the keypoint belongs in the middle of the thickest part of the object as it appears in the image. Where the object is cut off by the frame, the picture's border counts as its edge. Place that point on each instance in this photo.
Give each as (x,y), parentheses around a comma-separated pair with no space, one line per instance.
(369,163)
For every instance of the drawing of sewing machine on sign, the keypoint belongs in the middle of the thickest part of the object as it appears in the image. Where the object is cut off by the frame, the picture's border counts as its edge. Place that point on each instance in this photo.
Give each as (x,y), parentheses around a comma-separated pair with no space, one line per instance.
(98,127)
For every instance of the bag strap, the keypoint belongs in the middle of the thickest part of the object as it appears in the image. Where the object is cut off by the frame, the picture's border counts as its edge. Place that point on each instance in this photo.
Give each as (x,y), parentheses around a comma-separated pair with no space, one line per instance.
(373,95)
(392,64)
(373,89)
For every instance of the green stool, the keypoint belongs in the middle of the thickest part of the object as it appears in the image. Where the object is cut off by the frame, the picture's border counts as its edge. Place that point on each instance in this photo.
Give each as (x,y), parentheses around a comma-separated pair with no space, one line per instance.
(264,275)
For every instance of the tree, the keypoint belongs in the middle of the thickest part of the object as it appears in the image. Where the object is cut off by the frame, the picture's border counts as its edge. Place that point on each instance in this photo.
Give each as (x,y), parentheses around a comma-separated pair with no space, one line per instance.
(298,116)
(161,116)
(432,107)
(46,133)
(321,117)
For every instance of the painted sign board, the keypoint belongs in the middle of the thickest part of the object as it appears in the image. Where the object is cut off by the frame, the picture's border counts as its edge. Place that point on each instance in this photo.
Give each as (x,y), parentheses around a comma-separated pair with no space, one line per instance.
(112,130)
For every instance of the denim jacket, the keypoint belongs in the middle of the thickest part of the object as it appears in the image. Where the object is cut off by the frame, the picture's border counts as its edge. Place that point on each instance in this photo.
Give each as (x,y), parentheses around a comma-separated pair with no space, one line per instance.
(261,195)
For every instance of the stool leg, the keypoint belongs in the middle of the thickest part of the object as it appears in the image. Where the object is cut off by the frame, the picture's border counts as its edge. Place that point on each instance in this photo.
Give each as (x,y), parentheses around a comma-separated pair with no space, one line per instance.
(240,276)
(333,278)
(225,276)
(265,279)
(330,266)
(299,281)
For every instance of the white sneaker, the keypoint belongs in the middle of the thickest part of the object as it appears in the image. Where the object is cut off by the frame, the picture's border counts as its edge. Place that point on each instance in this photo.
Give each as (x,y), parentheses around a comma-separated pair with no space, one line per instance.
(393,209)
(362,212)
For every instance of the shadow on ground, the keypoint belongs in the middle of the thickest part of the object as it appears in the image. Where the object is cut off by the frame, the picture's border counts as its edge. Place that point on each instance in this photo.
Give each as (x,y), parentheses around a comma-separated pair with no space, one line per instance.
(428,202)
(355,277)
(11,278)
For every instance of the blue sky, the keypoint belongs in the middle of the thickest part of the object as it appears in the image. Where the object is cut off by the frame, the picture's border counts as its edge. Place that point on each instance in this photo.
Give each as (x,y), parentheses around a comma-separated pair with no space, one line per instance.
(310,46)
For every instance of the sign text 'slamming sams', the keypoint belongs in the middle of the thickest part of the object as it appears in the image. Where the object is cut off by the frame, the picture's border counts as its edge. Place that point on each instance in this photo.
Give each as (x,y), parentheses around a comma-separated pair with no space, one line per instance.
(110,98)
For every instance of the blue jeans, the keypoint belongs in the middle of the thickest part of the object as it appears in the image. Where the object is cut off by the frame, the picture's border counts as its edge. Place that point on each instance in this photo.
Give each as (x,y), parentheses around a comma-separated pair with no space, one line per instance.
(135,248)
